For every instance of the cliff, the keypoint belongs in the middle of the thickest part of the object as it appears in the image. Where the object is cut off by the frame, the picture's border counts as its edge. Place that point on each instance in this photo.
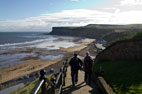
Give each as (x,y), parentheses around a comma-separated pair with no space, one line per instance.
(122,50)
(80,32)
(126,27)
(97,31)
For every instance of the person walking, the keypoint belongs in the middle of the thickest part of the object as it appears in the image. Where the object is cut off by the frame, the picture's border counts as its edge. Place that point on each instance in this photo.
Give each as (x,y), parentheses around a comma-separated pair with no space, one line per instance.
(75,64)
(88,67)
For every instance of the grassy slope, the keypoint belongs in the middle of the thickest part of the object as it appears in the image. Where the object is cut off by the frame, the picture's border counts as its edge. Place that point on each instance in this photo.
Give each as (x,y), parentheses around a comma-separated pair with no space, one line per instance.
(124,76)
(138,35)
(28,88)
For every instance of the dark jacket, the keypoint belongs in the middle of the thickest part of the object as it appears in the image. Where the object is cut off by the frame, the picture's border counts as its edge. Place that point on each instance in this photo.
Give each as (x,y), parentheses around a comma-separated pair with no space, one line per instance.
(75,64)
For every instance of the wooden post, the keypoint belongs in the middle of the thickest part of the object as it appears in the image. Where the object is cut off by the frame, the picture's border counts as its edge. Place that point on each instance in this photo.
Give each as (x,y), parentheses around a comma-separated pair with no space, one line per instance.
(42,77)
(0,83)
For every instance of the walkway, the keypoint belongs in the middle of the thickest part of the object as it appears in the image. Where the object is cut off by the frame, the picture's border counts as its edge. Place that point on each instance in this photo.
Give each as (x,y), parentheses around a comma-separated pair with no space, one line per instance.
(80,88)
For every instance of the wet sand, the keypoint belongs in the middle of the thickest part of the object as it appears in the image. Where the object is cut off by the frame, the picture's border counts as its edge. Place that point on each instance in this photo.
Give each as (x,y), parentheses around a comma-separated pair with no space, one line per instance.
(34,64)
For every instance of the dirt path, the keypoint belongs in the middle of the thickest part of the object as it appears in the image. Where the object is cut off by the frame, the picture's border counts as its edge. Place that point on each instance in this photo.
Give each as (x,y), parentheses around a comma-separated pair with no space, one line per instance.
(80,88)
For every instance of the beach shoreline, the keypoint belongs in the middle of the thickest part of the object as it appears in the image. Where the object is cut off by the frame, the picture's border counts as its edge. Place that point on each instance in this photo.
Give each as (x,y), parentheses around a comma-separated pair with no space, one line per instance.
(34,65)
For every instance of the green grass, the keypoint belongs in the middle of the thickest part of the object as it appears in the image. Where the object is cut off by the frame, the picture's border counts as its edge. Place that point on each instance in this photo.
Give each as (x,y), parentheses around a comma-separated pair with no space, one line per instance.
(28,88)
(124,76)
(138,35)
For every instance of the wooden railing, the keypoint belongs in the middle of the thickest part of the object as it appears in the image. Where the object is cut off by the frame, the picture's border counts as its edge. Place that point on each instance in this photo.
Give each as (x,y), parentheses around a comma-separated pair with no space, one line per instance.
(38,87)
(57,86)
(61,78)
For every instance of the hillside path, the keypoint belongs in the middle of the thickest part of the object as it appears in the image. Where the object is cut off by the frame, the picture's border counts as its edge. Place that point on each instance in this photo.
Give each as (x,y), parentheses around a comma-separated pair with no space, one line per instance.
(80,88)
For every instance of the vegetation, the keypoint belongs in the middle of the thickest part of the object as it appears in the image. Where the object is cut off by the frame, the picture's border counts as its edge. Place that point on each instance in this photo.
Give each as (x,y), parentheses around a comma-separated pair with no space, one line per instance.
(138,35)
(28,88)
(124,38)
(124,76)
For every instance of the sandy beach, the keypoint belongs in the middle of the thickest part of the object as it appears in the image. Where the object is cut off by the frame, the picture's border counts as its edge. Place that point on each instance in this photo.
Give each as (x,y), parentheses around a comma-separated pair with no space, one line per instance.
(31,64)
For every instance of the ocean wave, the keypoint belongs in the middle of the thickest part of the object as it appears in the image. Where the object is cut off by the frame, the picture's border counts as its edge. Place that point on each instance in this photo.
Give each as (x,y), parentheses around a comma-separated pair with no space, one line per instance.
(27,42)
(54,45)
(51,57)
(40,37)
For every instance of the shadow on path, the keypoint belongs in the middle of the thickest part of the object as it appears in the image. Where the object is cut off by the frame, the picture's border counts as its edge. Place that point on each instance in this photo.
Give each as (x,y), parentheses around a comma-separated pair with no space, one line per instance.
(81,87)
(70,89)
(94,90)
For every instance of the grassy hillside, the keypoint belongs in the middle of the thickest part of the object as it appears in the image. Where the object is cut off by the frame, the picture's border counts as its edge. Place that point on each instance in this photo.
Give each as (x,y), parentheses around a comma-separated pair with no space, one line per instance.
(136,36)
(124,76)
(28,88)
(129,26)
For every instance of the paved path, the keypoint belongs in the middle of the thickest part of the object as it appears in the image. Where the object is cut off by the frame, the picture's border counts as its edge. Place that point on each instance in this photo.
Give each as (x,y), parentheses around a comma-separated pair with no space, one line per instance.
(80,87)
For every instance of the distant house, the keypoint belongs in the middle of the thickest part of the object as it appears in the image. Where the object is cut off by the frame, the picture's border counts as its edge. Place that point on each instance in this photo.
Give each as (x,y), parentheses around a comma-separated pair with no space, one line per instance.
(99,45)
(101,41)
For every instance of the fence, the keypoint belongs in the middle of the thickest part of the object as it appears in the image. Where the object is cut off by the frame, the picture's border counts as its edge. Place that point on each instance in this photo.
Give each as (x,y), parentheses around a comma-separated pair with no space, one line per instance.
(57,86)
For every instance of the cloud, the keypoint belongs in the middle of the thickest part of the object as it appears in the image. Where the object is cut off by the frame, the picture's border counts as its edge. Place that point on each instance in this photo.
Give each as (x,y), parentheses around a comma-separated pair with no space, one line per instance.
(131,2)
(77,17)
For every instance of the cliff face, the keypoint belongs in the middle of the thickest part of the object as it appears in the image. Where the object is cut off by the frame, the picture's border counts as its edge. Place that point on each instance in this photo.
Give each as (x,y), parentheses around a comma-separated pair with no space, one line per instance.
(122,50)
(130,26)
(81,32)
(97,31)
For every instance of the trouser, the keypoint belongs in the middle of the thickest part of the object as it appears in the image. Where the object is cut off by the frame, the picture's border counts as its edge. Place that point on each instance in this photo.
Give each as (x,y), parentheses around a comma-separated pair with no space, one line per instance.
(87,76)
(74,75)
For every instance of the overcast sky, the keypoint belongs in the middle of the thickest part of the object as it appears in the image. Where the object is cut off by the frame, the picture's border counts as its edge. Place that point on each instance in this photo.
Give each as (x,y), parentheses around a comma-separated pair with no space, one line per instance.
(42,15)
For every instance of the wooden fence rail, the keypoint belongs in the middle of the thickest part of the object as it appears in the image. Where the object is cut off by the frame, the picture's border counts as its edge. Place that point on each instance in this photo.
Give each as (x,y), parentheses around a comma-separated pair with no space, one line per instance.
(57,86)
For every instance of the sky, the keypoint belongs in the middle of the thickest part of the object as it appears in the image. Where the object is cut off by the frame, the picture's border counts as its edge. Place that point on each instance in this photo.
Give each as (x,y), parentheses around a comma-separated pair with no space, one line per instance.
(42,15)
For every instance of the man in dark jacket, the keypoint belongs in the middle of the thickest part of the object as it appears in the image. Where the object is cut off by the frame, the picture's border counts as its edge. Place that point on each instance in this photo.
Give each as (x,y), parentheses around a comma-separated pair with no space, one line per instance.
(88,66)
(75,64)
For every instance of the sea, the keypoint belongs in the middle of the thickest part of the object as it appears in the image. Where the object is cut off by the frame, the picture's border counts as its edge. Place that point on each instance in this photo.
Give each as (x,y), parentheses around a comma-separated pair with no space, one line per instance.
(20,37)
(17,47)
(14,45)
